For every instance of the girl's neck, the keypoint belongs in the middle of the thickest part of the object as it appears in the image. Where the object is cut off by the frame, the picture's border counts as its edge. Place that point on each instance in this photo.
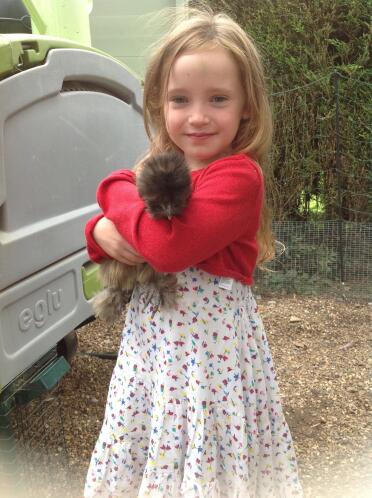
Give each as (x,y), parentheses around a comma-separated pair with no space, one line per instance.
(195,165)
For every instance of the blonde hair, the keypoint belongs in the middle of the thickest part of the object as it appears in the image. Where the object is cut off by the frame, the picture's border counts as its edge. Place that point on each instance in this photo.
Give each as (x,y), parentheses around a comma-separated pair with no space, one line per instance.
(203,29)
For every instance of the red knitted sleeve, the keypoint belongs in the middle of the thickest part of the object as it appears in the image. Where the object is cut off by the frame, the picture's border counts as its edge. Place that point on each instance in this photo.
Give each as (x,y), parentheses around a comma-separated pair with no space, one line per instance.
(95,252)
(225,204)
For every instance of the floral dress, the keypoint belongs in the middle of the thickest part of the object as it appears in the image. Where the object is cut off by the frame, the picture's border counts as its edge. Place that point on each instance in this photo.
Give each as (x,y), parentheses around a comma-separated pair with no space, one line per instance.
(193,408)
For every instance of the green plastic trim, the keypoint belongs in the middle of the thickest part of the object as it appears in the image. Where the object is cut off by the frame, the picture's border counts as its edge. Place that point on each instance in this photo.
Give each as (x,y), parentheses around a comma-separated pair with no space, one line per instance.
(35,15)
(20,51)
(66,19)
(91,282)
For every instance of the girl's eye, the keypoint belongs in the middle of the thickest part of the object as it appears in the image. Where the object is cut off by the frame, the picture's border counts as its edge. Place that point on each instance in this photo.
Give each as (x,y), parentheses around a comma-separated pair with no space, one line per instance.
(219,99)
(178,99)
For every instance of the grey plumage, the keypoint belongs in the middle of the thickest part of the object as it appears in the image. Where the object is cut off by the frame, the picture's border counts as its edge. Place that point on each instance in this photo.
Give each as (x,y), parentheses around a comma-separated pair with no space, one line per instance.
(164,183)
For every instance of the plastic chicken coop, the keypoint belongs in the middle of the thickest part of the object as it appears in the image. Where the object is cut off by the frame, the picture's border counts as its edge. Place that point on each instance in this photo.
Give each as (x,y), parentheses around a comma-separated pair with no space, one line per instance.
(69,114)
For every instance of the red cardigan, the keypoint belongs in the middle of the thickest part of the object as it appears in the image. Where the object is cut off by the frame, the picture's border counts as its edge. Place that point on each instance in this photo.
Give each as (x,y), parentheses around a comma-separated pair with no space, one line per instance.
(216,232)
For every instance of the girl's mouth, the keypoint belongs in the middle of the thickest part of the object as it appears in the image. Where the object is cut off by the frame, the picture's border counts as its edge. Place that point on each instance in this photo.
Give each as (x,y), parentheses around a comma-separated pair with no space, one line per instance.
(200,136)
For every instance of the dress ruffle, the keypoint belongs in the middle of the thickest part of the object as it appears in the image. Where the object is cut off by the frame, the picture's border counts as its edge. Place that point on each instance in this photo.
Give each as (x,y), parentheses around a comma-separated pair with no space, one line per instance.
(193,409)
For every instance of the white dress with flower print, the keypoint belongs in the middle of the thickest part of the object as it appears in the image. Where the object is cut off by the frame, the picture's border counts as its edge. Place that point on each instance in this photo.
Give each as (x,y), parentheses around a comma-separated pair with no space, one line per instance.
(193,409)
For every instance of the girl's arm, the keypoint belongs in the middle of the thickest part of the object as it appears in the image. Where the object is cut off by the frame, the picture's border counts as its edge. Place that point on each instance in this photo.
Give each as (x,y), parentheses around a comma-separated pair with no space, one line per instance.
(225,205)
(95,251)
(104,241)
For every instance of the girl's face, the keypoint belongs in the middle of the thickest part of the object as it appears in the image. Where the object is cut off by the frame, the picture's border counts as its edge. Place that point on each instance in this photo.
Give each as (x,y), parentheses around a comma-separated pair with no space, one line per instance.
(204,106)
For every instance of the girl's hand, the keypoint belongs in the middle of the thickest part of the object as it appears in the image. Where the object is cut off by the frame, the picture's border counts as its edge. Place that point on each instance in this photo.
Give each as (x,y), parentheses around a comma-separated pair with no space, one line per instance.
(110,240)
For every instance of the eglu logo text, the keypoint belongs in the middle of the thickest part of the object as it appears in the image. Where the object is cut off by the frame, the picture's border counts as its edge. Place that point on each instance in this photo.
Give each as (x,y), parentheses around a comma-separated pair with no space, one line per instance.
(38,314)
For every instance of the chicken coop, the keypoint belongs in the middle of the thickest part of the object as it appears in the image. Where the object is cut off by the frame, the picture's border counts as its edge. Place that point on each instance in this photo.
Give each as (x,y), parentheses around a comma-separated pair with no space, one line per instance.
(69,114)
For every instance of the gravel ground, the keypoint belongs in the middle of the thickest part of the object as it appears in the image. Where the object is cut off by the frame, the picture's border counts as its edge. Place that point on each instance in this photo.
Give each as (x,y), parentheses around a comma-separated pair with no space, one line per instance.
(321,348)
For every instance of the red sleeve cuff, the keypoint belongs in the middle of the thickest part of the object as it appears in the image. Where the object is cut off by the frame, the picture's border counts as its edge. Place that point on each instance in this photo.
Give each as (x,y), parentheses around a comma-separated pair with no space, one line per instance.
(95,252)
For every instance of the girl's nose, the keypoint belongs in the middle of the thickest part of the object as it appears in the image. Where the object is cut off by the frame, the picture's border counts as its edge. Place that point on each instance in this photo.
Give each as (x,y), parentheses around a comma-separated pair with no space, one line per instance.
(198,116)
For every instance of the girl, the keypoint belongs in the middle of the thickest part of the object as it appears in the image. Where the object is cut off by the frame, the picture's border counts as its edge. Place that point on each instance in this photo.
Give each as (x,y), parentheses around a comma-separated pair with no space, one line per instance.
(193,408)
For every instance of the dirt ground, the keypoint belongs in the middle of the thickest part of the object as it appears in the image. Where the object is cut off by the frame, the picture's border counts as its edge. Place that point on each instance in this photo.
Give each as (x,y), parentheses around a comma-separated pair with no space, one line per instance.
(321,349)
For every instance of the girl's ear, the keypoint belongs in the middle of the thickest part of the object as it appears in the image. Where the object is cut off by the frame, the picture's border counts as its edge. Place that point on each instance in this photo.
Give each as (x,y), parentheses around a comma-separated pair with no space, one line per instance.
(245,113)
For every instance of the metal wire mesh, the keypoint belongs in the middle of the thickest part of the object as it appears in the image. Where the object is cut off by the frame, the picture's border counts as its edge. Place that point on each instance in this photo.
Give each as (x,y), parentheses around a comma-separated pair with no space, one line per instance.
(33,456)
(322,176)
(320,257)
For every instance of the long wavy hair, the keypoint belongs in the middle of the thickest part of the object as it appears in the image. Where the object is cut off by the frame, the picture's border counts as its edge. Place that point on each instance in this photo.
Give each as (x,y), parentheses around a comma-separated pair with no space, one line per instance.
(202,29)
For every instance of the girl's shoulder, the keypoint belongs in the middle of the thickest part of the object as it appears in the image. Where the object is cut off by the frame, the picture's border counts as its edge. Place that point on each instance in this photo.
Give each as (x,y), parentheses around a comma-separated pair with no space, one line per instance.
(118,175)
(236,165)
(129,173)
(241,160)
